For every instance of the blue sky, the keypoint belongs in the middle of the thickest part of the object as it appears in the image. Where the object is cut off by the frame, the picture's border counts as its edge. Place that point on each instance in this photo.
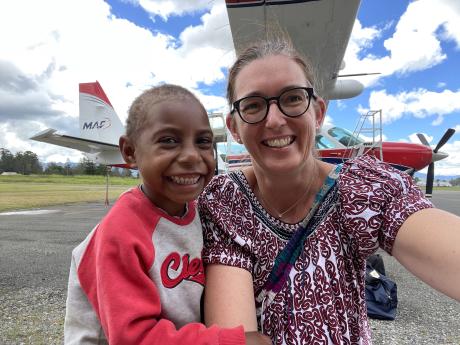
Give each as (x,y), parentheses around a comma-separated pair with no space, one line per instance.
(129,45)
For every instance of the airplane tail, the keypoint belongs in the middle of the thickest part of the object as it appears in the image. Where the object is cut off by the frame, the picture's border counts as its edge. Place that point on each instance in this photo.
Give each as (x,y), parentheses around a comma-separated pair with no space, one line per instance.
(98,120)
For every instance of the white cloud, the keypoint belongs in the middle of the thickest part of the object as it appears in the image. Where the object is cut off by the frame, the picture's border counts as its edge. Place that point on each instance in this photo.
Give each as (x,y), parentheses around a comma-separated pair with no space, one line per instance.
(414,46)
(420,103)
(166,8)
(58,44)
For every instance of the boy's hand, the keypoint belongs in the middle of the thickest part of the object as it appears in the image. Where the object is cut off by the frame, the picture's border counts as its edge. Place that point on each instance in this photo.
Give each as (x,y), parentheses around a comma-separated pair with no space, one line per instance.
(256,338)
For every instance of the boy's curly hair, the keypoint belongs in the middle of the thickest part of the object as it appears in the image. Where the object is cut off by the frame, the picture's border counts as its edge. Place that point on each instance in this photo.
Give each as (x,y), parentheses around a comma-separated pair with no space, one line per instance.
(141,106)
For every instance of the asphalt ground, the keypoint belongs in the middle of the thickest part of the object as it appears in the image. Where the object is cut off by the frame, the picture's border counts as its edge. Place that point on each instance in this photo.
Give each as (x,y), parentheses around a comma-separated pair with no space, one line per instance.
(35,250)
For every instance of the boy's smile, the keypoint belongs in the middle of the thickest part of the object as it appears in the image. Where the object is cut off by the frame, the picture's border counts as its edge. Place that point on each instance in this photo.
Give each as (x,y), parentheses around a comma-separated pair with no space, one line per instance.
(174,153)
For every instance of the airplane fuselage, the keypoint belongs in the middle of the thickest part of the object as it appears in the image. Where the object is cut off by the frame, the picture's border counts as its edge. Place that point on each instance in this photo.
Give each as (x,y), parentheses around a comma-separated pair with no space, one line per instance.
(402,156)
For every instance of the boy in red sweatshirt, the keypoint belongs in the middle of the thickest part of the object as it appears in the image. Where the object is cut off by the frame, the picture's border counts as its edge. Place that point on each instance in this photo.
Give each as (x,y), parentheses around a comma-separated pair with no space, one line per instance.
(138,276)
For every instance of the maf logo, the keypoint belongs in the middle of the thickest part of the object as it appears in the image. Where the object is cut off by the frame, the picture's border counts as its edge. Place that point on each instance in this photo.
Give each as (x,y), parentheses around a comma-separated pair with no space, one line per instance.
(103,124)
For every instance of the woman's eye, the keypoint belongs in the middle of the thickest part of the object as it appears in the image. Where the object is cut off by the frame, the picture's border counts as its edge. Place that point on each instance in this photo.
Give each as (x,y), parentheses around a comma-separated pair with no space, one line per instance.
(294,99)
(251,107)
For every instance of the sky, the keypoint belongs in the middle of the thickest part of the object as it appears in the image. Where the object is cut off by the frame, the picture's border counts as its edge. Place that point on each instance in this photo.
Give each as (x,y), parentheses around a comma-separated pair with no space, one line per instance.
(47,47)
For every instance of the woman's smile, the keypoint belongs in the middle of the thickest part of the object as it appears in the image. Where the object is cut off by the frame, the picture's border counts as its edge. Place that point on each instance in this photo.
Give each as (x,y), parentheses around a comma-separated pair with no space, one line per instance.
(279,142)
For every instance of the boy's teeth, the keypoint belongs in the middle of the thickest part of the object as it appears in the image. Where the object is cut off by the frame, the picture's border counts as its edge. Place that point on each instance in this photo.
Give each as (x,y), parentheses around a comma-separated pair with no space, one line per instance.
(185,180)
(279,142)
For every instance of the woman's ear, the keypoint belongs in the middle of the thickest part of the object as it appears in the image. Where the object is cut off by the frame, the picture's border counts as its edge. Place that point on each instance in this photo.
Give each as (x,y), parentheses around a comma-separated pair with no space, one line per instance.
(320,112)
(232,127)
(127,150)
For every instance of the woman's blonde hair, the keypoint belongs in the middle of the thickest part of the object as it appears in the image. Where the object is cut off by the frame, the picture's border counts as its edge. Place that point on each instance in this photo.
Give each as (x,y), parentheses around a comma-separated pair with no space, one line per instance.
(276,44)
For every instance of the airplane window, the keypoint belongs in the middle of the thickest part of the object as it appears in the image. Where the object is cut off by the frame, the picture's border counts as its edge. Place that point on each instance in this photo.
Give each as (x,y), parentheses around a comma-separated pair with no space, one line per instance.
(344,136)
(323,143)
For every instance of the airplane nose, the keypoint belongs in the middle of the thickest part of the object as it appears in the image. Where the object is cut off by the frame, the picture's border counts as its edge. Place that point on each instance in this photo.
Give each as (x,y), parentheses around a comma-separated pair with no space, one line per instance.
(437,156)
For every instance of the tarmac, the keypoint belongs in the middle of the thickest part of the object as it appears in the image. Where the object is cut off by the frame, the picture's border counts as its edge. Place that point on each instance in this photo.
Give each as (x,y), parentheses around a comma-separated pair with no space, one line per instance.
(35,250)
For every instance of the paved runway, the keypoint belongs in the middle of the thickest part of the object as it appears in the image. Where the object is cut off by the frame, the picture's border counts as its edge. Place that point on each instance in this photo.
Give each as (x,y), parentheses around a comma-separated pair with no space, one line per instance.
(35,252)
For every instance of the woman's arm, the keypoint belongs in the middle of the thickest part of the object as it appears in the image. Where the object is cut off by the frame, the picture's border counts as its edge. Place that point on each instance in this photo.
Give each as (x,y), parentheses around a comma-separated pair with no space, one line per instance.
(428,245)
(229,298)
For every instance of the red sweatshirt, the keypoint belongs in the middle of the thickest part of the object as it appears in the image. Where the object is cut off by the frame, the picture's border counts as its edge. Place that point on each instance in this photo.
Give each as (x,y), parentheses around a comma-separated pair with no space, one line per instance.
(137,279)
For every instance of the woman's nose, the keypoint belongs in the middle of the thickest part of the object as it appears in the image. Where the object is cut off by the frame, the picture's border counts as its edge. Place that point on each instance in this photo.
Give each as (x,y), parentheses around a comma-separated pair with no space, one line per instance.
(275,118)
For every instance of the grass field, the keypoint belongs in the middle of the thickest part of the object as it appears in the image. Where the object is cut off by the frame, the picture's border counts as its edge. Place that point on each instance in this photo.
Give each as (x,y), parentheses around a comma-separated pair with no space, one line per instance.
(33,191)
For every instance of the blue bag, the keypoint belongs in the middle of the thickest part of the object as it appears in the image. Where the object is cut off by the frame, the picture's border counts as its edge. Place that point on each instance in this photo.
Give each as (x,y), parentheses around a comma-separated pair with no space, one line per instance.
(381,295)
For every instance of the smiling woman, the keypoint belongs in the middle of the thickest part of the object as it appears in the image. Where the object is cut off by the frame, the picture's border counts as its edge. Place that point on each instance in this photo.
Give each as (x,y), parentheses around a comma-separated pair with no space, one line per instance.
(287,238)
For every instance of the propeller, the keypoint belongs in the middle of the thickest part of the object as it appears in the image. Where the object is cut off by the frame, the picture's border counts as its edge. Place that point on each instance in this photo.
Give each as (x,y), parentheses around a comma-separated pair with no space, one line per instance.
(436,157)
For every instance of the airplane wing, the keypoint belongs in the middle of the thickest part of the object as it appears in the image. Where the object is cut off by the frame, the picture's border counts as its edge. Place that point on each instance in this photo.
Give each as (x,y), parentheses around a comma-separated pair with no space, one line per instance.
(89,146)
(319,29)
(99,152)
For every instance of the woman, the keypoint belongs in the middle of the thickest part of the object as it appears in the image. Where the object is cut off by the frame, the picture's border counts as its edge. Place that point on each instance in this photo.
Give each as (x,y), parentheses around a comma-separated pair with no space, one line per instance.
(286,239)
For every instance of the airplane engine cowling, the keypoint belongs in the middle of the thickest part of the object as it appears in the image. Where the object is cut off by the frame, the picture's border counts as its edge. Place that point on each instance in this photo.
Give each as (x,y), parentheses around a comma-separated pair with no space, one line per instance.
(345,88)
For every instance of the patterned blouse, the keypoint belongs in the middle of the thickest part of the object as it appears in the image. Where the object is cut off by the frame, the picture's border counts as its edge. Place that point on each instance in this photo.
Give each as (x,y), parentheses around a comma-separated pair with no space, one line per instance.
(320,298)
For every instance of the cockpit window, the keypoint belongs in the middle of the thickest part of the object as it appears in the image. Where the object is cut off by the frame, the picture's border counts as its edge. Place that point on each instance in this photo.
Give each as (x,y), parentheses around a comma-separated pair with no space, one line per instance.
(344,136)
(323,143)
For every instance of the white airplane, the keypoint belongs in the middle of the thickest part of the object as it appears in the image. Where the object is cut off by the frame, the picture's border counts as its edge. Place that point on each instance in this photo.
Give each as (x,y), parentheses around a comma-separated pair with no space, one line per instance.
(100,128)
(319,29)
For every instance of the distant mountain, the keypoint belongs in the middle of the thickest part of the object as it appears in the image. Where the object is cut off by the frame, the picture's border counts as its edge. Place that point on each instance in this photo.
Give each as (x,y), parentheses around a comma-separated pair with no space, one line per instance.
(437,177)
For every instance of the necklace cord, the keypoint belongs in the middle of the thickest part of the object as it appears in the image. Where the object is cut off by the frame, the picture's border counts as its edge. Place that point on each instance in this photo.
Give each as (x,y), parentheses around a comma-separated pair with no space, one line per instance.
(283,213)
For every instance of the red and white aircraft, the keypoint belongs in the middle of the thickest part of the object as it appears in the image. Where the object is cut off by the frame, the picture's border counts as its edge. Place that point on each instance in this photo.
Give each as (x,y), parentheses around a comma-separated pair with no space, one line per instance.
(100,128)
(320,30)
(336,145)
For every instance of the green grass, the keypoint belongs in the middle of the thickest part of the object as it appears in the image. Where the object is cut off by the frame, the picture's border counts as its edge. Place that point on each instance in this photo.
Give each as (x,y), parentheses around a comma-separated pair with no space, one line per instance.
(19,192)
(77,179)
(34,191)
(454,188)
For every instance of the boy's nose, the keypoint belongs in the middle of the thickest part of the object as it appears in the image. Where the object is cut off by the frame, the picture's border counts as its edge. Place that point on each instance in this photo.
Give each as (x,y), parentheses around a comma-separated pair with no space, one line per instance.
(275,118)
(189,154)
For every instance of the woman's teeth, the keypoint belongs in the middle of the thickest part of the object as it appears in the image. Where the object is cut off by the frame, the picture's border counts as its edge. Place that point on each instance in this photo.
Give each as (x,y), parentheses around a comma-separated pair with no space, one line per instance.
(280,142)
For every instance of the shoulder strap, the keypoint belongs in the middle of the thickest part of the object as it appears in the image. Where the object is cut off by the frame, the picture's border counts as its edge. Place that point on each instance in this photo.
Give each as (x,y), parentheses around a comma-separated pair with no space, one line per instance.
(290,253)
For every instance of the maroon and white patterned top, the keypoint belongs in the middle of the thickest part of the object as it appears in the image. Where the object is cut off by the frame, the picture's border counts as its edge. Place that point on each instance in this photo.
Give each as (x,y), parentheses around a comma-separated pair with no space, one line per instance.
(323,301)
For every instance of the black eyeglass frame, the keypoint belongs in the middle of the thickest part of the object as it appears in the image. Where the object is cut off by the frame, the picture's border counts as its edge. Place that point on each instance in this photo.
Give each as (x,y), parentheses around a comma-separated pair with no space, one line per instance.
(309,90)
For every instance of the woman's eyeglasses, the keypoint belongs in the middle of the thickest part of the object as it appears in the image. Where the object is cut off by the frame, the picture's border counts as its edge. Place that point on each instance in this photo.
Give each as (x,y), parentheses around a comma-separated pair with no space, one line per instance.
(292,103)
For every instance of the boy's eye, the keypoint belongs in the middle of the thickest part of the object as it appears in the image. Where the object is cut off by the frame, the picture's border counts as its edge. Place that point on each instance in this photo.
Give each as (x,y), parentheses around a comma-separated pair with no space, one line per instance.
(168,140)
(205,142)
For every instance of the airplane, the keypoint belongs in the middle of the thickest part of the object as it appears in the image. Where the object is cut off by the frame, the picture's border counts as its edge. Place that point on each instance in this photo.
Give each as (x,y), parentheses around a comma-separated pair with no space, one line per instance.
(101,128)
(320,30)
(335,145)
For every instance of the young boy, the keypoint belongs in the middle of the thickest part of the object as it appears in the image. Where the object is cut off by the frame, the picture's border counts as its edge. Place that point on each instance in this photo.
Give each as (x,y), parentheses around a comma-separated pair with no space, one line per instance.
(138,277)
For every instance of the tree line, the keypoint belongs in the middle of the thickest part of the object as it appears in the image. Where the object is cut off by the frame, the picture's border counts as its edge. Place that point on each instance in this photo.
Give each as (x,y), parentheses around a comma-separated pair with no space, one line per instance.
(27,163)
